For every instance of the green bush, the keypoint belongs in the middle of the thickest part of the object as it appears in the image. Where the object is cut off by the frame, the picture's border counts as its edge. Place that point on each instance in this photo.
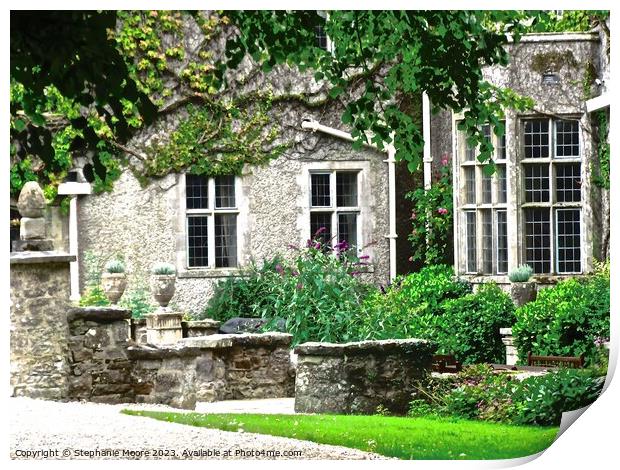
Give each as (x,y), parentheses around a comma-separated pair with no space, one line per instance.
(469,326)
(94,296)
(139,301)
(242,295)
(480,393)
(568,319)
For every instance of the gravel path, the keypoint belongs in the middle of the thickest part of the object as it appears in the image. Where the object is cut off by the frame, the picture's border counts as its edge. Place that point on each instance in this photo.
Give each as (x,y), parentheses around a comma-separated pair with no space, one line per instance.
(96,431)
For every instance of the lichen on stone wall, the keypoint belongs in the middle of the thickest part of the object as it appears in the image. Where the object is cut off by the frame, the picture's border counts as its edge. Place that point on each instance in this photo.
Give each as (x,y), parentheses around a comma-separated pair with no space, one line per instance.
(553,61)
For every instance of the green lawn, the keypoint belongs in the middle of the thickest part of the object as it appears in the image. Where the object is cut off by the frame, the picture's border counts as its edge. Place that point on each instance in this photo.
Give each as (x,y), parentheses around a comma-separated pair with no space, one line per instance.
(405,438)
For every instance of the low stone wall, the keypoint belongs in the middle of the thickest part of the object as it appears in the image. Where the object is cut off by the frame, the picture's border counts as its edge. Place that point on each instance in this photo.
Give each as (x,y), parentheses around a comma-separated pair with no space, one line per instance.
(100,368)
(243,366)
(39,300)
(195,328)
(164,375)
(358,378)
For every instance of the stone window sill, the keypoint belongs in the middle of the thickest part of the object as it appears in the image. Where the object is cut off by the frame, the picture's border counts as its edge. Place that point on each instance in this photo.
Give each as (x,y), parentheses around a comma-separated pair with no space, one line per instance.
(208,273)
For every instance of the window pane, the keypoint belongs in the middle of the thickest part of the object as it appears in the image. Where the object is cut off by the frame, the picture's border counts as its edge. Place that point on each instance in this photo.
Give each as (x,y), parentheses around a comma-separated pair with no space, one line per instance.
(470,225)
(569,240)
(321,221)
(225,240)
(502,242)
(196,192)
(538,239)
(320,190)
(501,184)
(501,145)
(568,182)
(197,241)
(347,229)
(536,136)
(224,191)
(320,38)
(567,139)
(470,185)
(470,152)
(487,242)
(346,189)
(486,188)
(486,132)
(536,183)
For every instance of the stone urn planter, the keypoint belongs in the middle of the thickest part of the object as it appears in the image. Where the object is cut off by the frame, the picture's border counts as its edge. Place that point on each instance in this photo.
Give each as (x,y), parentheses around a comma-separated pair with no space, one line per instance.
(163,283)
(522,290)
(113,285)
(114,280)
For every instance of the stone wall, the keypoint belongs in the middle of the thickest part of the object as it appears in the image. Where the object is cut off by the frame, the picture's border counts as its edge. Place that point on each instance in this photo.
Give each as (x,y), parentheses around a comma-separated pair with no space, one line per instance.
(358,378)
(39,333)
(243,366)
(100,368)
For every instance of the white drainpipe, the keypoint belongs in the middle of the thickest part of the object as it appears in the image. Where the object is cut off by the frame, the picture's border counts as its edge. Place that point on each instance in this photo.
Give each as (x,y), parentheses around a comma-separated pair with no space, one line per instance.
(391,161)
(426,132)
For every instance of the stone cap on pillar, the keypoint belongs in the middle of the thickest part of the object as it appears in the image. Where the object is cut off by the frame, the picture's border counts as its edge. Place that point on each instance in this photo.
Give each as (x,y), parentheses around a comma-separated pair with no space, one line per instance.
(73,188)
(34,257)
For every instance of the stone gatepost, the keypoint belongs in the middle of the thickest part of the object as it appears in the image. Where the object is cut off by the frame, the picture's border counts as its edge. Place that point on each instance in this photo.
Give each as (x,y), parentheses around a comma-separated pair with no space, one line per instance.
(360,377)
(511,350)
(39,300)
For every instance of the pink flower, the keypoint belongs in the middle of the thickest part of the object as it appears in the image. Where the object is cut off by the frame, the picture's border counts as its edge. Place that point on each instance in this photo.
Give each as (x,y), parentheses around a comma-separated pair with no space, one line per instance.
(413,216)
(445,160)
(442,211)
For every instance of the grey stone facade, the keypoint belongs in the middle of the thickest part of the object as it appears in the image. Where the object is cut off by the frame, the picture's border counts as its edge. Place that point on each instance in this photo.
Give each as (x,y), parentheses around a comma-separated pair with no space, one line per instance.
(558,72)
(361,377)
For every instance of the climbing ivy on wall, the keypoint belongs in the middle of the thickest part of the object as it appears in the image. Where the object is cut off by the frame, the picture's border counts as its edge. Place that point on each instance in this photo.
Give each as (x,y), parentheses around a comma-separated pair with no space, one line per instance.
(602,178)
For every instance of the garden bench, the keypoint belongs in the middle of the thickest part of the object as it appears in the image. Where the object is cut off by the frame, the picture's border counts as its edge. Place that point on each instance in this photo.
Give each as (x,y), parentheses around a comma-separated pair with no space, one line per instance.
(445,363)
(571,362)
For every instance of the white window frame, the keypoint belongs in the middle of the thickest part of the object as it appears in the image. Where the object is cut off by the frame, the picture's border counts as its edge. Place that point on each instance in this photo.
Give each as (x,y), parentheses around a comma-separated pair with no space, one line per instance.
(333,208)
(211,211)
(552,205)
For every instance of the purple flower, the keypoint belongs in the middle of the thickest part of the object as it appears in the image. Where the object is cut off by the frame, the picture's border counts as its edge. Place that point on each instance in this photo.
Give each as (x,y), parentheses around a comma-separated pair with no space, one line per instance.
(442,211)
(317,245)
(299,286)
(319,231)
(279,269)
(355,273)
(294,273)
(342,246)
(364,257)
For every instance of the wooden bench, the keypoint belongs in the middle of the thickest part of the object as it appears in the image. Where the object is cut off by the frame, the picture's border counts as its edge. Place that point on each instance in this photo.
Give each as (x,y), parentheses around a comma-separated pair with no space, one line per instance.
(570,362)
(445,363)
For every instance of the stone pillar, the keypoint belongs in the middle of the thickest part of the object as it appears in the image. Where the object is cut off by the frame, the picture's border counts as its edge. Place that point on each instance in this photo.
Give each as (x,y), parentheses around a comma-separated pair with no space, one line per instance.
(163,327)
(358,378)
(511,351)
(32,230)
(39,330)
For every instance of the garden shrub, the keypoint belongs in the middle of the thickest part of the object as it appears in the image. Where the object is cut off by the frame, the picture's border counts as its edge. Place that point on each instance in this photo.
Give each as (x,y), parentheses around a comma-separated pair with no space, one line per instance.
(139,301)
(469,326)
(569,319)
(94,296)
(480,393)
(242,295)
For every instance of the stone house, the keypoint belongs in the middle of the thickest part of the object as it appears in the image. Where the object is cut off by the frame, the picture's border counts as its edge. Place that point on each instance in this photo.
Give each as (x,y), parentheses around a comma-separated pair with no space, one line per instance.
(542,206)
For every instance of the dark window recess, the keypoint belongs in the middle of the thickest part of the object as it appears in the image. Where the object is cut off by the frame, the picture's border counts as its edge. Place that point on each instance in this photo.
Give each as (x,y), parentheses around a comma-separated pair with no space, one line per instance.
(501,145)
(224,192)
(347,229)
(196,192)
(567,139)
(502,242)
(486,188)
(346,189)
(470,185)
(321,220)
(568,182)
(536,137)
(470,224)
(197,241)
(569,240)
(225,240)
(320,190)
(502,192)
(538,239)
(536,183)
(320,37)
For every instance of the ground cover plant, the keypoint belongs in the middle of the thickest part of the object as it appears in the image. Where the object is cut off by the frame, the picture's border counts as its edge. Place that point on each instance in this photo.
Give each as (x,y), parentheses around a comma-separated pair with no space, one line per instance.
(480,393)
(404,438)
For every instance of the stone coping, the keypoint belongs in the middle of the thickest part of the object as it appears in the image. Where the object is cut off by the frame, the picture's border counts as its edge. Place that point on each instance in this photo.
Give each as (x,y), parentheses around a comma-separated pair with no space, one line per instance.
(147,352)
(218,341)
(207,323)
(385,346)
(505,331)
(98,314)
(35,257)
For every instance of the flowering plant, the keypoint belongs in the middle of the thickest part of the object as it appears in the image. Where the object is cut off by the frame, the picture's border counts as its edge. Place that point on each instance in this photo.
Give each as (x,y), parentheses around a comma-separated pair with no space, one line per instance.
(431,219)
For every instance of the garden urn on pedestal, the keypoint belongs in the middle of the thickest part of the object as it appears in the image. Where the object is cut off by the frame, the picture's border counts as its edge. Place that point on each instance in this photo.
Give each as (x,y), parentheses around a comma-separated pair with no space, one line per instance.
(521,290)
(114,281)
(163,283)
